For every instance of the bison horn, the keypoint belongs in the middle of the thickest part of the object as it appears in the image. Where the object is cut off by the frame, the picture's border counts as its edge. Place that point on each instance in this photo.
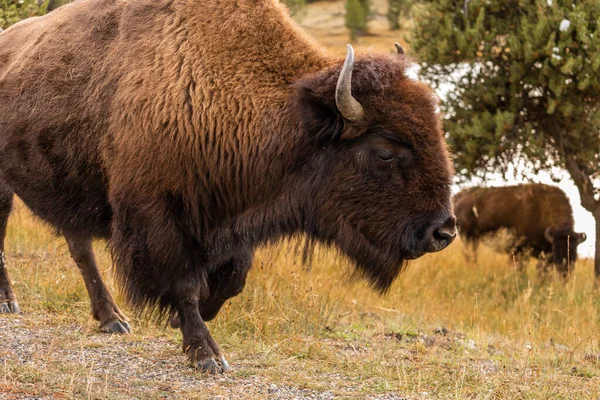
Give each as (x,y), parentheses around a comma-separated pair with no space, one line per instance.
(348,106)
(399,48)
(548,235)
(582,237)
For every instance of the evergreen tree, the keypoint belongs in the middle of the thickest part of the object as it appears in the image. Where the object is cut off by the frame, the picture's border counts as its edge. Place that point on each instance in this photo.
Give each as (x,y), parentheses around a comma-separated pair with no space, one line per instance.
(396,8)
(357,12)
(526,85)
(12,11)
(366,5)
(53,4)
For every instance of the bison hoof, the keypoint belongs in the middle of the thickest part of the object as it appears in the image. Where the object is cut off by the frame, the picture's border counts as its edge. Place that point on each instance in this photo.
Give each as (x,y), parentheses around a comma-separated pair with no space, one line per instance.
(121,327)
(211,366)
(11,307)
(225,365)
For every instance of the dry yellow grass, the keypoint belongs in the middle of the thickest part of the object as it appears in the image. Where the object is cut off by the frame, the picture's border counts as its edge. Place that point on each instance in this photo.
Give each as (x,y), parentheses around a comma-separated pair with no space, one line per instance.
(324,20)
(446,329)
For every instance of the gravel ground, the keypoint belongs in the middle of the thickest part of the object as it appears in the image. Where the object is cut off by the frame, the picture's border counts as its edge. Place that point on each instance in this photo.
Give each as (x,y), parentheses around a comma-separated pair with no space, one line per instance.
(114,366)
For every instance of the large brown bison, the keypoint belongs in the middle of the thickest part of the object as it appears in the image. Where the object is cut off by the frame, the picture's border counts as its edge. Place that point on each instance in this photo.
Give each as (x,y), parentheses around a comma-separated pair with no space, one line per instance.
(189,132)
(538,217)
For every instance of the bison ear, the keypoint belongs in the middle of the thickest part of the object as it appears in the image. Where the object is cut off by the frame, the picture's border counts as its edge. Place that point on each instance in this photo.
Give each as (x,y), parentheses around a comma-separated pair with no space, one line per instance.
(319,114)
(581,237)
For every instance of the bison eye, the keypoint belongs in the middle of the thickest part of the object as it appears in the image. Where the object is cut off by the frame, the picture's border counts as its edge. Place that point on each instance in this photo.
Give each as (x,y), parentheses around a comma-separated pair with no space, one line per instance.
(386,155)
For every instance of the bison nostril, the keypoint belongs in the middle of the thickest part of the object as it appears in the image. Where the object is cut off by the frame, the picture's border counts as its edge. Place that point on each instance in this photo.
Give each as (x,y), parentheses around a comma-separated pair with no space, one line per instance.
(443,235)
(447,234)
(448,230)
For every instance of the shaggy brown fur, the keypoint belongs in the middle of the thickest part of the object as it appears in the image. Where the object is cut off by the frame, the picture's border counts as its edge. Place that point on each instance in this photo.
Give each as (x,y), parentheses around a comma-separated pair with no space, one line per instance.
(190,132)
(527,211)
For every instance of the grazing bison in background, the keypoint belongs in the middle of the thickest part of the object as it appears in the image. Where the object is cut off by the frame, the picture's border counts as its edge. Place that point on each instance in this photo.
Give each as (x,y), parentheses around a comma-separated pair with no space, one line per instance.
(539,218)
(187,133)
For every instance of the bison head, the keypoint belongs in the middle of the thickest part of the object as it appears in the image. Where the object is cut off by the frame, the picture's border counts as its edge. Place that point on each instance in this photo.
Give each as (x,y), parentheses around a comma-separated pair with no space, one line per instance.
(381,174)
(564,246)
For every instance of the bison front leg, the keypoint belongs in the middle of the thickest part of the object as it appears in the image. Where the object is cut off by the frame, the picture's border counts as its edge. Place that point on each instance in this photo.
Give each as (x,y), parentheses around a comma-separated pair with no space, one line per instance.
(227,280)
(159,263)
(198,344)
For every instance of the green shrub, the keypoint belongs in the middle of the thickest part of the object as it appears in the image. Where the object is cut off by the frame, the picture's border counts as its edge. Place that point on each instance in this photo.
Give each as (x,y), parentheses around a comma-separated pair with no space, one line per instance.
(53,4)
(357,12)
(13,11)
(395,9)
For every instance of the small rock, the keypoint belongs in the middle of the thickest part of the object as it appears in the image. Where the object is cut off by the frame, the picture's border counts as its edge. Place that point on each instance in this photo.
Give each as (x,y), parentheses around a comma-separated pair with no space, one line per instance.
(488,367)
(272,388)
(429,341)
(394,335)
(441,331)
(558,346)
(468,344)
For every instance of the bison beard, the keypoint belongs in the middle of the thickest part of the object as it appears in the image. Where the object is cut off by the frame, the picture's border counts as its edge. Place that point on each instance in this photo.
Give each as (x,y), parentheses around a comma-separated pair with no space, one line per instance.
(187,133)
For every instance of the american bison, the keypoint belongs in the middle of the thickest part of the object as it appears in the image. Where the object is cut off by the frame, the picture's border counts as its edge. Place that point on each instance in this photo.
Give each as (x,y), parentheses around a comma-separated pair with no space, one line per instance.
(189,132)
(539,218)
